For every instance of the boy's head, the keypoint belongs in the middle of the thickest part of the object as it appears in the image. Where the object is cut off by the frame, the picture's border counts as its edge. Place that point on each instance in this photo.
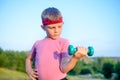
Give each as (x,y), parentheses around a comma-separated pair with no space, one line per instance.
(52,22)
(51,15)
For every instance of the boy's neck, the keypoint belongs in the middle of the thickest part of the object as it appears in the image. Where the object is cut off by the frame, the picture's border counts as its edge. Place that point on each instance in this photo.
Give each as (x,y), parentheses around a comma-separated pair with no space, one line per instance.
(51,38)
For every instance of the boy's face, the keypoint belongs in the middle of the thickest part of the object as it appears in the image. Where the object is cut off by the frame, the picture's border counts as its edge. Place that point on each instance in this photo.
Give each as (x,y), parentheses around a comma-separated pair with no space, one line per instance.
(53,30)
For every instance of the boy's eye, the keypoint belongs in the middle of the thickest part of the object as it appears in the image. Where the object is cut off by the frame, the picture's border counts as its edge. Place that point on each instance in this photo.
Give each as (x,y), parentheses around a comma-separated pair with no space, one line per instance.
(54,27)
(51,27)
(59,26)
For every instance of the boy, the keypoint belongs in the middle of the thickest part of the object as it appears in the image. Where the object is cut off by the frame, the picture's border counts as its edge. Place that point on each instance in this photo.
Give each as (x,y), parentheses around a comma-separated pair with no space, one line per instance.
(52,61)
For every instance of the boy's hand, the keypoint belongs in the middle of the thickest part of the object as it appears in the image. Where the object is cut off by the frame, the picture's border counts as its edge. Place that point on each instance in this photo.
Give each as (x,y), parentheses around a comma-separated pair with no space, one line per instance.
(32,74)
(81,52)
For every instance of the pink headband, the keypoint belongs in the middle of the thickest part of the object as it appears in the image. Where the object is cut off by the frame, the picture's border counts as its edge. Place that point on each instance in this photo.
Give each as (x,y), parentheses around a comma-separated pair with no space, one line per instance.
(48,22)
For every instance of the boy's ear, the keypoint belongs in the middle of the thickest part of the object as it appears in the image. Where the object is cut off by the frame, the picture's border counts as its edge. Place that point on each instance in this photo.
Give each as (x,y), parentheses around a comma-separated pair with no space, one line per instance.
(43,27)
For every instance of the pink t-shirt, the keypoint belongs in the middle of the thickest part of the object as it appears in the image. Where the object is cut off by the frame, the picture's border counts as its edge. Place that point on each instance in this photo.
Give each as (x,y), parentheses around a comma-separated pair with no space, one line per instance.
(48,54)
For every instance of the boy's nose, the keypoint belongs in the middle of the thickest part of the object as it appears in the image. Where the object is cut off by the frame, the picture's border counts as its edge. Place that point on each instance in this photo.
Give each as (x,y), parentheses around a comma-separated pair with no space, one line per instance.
(56,30)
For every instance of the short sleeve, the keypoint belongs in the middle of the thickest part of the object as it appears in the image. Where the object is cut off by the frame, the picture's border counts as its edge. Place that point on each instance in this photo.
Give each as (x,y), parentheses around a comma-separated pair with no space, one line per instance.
(33,50)
(64,52)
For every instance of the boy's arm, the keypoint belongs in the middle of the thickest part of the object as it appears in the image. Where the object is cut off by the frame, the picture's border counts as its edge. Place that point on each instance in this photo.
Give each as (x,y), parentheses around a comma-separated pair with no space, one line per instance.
(31,73)
(28,63)
(68,63)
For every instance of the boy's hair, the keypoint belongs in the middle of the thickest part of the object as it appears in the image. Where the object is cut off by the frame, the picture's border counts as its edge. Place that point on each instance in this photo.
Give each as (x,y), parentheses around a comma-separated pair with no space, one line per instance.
(51,15)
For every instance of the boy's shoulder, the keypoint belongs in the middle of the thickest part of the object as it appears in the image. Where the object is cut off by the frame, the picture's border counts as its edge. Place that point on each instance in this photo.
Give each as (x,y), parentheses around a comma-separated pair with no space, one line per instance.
(37,42)
(63,39)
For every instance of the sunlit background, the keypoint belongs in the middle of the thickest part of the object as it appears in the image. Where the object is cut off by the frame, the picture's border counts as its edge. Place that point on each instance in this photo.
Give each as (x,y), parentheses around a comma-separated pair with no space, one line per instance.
(86,22)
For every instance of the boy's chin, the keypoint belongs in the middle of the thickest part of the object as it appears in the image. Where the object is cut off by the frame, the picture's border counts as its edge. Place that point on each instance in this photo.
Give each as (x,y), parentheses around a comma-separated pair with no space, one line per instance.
(54,38)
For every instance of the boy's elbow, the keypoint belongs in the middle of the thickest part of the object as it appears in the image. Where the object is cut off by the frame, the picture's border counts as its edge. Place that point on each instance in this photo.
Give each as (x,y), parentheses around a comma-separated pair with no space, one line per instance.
(29,58)
(64,70)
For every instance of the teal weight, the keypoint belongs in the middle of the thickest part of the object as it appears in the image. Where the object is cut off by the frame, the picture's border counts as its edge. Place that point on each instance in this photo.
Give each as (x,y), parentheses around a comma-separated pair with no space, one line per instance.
(90,51)
(72,50)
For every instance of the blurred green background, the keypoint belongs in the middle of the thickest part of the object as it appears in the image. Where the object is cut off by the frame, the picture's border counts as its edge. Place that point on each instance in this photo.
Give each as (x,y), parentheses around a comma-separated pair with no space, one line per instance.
(12,67)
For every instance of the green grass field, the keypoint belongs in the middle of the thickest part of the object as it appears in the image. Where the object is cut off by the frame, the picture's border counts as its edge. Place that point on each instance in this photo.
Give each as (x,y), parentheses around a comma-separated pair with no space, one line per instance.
(6,74)
(82,78)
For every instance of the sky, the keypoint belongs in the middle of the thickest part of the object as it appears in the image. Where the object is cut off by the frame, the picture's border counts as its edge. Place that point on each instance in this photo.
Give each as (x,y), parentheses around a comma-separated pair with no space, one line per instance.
(86,23)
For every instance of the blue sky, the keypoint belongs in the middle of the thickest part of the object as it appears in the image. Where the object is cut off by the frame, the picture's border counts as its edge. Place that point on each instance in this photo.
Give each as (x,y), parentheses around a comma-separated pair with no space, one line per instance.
(86,22)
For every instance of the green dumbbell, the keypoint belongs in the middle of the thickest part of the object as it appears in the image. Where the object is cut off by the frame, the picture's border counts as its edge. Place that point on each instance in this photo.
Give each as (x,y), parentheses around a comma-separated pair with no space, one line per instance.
(72,50)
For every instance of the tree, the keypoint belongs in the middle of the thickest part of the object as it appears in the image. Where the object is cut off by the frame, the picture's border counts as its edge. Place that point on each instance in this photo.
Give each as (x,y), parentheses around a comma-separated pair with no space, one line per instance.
(117,69)
(1,50)
(107,69)
(86,70)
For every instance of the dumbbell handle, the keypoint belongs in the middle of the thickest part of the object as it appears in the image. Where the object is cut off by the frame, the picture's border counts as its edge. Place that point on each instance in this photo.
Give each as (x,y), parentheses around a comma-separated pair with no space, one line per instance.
(72,50)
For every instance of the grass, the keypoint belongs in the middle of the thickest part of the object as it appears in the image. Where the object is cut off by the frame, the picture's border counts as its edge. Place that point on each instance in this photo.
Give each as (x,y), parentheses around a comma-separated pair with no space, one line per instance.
(79,77)
(6,74)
